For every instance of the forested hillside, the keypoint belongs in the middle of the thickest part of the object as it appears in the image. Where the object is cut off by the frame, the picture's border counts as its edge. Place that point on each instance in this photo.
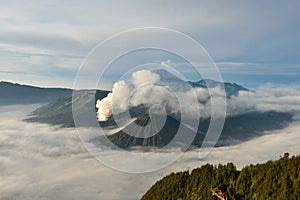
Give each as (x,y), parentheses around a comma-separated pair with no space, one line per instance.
(272,180)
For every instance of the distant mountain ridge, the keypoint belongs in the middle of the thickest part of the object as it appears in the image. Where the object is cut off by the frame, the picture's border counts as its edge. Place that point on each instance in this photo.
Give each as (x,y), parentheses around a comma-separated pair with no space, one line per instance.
(179,84)
(230,88)
(14,93)
(63,116)
(59,112)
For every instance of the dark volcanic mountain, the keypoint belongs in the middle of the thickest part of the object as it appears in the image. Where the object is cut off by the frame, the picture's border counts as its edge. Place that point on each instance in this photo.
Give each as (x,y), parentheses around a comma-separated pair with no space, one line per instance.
(248,125)
(236,129)
(143,133)
(60,113)
(12,93)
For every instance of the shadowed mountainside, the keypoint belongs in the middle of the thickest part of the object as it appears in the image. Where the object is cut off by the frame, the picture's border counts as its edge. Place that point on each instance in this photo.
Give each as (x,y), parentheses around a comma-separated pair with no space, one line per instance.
(13,93)
(236,129)
(60,112)
(144,133)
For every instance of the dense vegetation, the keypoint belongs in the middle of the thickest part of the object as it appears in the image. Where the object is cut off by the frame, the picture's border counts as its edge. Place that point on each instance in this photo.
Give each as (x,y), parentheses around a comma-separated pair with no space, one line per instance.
(272,180)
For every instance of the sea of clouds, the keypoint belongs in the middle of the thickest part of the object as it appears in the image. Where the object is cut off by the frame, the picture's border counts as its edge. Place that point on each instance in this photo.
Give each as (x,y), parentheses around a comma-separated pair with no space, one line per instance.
(38,161)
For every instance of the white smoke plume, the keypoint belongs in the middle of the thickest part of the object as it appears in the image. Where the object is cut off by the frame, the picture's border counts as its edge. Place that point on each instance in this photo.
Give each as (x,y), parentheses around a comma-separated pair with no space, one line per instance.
(120,94)
(143,77)
(117,101)
(142,90)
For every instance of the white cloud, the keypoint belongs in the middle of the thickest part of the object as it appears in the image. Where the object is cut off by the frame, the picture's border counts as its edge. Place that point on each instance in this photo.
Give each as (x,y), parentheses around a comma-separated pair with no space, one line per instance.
(42,162)
(266,98)
(143,77)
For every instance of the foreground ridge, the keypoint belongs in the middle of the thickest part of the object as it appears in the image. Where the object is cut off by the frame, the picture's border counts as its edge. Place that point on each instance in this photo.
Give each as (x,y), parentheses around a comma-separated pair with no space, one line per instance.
(272,180)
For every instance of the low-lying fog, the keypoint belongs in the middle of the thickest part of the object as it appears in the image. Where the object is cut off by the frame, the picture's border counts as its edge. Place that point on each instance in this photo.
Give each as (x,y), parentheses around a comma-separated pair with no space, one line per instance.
(39,161)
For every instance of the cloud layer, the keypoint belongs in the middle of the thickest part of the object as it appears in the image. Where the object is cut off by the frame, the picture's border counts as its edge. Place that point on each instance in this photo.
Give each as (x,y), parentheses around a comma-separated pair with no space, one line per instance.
(43,162)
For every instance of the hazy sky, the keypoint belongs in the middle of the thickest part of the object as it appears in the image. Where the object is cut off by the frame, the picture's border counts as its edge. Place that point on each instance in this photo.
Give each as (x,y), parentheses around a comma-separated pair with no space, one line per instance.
(252,42)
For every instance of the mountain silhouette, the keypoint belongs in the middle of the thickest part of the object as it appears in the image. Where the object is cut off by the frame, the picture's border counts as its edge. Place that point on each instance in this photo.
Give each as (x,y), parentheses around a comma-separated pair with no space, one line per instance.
(137,132)
(13,93)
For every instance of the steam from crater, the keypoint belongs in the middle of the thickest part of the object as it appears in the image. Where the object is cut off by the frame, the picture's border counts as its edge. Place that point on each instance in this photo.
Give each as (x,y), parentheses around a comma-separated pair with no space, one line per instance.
(119,96)
(143,89)
(117,101)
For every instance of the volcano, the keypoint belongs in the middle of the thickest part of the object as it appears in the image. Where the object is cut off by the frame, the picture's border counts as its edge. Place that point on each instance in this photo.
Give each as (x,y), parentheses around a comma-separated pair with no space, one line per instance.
(143,132)
(236,129)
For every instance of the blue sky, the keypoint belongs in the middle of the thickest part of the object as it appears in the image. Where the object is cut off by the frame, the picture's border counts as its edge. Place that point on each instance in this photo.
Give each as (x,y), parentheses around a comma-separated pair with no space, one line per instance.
(252,42)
